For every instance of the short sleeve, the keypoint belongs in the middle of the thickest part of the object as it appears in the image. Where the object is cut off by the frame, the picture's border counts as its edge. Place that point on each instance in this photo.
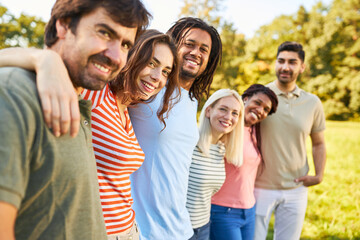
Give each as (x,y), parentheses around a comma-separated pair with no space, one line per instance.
(319,117)
(14,147)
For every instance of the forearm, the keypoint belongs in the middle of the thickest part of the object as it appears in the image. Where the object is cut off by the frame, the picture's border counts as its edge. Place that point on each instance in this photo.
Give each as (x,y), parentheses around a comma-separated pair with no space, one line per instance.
(7,221)
(19,57)
(319,157)
(29,58)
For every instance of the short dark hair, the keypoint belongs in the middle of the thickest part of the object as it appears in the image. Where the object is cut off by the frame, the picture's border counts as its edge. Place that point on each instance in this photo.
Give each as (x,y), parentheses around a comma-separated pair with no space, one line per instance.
(139,57)
(255,89)
(292,47)
(129,13)
(202,83)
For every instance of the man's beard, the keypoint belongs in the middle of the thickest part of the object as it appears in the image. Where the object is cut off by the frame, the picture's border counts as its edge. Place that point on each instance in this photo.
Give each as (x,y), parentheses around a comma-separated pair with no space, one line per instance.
(187,75)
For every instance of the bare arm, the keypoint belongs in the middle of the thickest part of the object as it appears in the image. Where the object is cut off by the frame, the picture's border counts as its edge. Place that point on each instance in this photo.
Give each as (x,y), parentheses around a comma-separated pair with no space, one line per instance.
(319,156)
(7,221)
(58,96)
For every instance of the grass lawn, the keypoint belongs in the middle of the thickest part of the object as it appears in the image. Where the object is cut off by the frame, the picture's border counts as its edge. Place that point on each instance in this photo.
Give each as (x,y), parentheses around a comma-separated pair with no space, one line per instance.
(334,206)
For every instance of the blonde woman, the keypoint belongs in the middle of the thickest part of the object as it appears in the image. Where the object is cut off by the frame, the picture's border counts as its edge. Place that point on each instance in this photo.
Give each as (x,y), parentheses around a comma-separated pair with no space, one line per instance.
(221,127)
(233,206)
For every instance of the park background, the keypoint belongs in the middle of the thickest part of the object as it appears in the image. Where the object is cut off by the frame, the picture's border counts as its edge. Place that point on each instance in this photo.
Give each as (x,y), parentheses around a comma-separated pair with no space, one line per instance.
(329,32)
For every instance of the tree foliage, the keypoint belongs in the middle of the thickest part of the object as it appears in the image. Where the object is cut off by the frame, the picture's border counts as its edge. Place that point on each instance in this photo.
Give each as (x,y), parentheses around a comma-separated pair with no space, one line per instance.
(330,36)
(25,31)
(208,10)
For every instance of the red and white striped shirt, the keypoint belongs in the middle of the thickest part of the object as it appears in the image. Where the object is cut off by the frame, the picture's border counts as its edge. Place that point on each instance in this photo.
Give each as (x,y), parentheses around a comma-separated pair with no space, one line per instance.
(117,154)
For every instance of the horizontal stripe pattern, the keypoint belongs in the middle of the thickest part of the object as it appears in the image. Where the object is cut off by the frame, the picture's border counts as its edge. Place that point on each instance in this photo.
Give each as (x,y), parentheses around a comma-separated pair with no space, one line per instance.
(207,174)
(118,155)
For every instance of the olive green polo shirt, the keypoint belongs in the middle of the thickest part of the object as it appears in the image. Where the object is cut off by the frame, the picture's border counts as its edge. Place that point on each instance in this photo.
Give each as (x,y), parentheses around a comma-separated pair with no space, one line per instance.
(51,181)
(283,138)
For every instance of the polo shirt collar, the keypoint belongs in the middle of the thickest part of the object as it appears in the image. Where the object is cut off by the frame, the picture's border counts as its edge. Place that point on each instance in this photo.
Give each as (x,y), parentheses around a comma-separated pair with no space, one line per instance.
(278,92)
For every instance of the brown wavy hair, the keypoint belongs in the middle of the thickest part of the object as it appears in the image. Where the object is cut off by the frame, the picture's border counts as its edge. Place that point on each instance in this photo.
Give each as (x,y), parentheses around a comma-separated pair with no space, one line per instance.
(178,31)
(139,57)
(129,13)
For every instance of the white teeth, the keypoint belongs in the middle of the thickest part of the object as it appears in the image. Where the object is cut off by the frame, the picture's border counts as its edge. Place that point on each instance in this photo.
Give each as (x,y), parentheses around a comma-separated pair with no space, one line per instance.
(148,85)
(255,116)
(225,124)
(101,68)
(192,62)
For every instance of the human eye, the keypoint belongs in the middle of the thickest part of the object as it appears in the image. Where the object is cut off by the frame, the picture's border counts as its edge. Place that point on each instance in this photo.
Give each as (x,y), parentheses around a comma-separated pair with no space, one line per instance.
(126,45)
(152,64)
(203,49)
(166,73)
(235,114)
(104,33)
(188,44)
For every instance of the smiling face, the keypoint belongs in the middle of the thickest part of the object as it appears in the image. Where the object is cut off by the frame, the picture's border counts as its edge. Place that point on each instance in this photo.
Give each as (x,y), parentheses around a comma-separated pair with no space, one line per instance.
(193,53)
(288,66)
(257,108)
(224,116)
(98,50)
(154,76)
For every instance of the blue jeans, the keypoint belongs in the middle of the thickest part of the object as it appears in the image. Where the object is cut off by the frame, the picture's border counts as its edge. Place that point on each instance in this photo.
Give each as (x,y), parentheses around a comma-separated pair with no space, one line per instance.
(232,223)
(201,233)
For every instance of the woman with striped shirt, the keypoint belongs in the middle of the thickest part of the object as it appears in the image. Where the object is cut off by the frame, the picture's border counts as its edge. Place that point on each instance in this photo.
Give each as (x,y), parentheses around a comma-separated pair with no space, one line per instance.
(152,63)
(221,126)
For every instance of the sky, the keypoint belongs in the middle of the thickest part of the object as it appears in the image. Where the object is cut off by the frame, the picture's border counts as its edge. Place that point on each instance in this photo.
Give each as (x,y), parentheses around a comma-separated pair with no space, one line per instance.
(247,15)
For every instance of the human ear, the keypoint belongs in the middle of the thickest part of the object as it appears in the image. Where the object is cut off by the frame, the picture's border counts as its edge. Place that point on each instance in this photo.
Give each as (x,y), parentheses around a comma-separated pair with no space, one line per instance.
(62,26)
(207,112)
(245,100)
(303,66)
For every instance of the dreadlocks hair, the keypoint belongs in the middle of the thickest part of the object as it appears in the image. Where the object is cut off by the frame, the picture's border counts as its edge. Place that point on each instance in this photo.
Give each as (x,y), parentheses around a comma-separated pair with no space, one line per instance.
(178,32)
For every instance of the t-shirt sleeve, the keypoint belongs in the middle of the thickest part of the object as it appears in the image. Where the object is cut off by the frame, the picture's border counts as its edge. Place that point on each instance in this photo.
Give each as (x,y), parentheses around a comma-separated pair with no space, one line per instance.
(14,150)
(319,117)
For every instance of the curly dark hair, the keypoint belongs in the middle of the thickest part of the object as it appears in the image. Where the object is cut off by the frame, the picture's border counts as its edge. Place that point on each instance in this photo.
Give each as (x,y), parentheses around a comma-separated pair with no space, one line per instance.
(129,13)
(139,57)
(201,85)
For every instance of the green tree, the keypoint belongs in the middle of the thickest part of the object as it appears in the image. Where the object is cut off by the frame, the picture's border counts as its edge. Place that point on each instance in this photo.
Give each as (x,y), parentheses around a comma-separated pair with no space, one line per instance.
(25,31)
(207,10)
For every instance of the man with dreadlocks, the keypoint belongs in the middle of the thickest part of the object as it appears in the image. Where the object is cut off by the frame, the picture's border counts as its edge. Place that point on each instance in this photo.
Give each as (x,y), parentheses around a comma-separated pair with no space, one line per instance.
(159,187)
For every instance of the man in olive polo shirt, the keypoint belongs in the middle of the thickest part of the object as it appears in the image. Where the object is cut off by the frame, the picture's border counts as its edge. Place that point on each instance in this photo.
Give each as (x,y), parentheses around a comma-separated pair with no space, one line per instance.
(282,185)
(48,185)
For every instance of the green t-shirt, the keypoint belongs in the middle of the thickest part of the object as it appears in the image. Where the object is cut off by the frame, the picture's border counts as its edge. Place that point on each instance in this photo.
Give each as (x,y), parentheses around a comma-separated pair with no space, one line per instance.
(52,181)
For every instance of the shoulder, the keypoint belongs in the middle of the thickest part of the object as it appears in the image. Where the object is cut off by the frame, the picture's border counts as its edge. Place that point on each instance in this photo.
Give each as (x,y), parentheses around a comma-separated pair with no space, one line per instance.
(18,83)
(17,78)
(310,97)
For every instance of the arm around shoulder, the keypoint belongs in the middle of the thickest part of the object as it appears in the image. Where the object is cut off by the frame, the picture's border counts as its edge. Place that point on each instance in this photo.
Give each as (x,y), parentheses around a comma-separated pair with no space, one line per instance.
(319,153)
(58,97)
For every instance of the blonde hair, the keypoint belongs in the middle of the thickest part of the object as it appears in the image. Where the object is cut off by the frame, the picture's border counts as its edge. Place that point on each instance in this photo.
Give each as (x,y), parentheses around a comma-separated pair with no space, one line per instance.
(234,139)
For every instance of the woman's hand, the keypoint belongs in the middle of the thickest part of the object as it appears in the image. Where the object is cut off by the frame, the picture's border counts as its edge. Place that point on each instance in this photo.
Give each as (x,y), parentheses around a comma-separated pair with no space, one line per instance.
(59,99)
(57,94)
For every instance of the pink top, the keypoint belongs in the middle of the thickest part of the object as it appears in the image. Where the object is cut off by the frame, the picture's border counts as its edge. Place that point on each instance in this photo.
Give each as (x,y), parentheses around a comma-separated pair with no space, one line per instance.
(238,189)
